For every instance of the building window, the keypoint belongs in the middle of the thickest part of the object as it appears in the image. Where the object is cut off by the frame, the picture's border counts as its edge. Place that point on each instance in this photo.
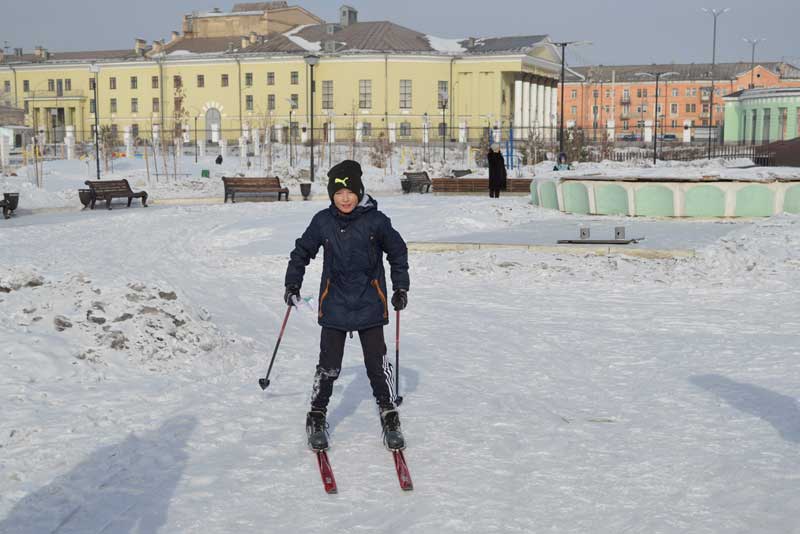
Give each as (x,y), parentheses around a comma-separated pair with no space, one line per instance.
(135,131)
(154,82)
(626,94)
(595,93)
(224,81)
(177,82)
(51,85)
(442,129)
(705,108)
(26,85)
(366,129)
(113,105)
(92,106)
(765,126)
(644,92)
(134,82)
(753,128)
(248,79)
(112,83)
(405,94)
(691,108)
(248,102)
(673,109)
(295,101)
(295,77)
(608,93)
(443,95)
(201,80)
(688,91)
(625,124)
(270,78)
(639,92)
(327,94)
(91,84)
(574,110)
(67,85)
(573,94)
(156,105)
(675,92)
(177,104)
(405,129)
(271,102)
(674,124)
(134,105)
(365,94)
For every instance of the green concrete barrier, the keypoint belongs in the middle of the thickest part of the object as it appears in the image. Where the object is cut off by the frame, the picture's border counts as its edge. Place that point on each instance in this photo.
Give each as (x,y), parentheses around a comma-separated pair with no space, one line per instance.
(704,201)
(534,193)
(791,200)
(549,197)
(611,200)
(654,201)
(576,197)
(754,201)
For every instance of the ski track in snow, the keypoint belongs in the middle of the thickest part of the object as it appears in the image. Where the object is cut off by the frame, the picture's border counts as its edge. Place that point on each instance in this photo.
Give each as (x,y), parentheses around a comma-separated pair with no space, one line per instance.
(543,392)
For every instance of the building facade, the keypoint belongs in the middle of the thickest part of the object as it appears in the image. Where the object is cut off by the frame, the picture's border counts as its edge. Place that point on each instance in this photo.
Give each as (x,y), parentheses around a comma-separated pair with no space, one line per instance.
(758,116)
(230,73)
(620,101)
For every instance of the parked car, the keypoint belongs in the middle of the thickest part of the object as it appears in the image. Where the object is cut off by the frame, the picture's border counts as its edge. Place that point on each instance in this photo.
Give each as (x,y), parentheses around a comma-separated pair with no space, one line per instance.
(668,137)
(629,137)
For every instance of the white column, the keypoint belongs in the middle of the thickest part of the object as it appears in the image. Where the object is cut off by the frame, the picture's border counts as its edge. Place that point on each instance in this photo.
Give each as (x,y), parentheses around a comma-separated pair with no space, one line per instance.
(245,131)
(553,110)
(201,145)
(526,111)
(278,133)
(540,108)
(331,132)
(462,132)
(687,131)
(156,134)
(425,133)
(359,131)
(648,131)
(69,140)
(243,150)
(223,147)
(610,125)
(215,133)
(532,108)
(255,135)
(128,138)
(5,150)
(392,132)
(518,101)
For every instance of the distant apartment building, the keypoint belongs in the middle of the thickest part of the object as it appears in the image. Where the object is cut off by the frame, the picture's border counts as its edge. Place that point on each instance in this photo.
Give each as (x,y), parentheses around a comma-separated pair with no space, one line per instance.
(620,100)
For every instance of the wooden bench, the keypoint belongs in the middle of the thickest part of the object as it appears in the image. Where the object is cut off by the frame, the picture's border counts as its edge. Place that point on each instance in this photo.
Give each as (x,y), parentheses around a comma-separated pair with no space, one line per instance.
(415,181)
(110,189)
(478,185)
(253,187)
(9,204)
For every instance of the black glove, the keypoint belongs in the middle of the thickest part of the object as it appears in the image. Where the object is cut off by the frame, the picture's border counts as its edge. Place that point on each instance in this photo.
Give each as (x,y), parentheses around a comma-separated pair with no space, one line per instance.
(400,299)
(292,293)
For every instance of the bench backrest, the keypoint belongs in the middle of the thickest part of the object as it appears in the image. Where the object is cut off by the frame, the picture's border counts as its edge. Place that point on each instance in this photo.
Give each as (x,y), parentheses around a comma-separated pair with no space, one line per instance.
(270,181)
(109,186)
(417,176)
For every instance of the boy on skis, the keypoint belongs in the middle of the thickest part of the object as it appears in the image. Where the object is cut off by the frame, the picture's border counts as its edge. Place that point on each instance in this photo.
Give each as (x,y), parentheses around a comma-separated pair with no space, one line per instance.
(352,294)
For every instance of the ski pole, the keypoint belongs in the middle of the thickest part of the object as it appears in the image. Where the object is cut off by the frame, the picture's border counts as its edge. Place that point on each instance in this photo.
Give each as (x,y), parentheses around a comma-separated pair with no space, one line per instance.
(398,399)
(264,382)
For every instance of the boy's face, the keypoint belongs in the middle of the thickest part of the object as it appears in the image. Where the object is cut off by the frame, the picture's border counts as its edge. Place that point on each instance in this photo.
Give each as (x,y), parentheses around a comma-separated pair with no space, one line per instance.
(345,200)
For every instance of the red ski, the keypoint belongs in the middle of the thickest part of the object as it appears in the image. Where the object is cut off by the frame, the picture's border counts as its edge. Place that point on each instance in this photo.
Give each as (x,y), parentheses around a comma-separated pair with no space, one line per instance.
(326,472)
(403,475)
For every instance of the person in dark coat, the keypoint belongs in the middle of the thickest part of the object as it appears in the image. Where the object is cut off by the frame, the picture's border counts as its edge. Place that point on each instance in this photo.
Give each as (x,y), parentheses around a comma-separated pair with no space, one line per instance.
(354,235)
(218,161)
(497,171)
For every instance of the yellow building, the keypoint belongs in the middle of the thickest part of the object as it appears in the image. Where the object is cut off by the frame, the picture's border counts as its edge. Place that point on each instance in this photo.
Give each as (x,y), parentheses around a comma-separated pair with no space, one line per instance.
(230,72)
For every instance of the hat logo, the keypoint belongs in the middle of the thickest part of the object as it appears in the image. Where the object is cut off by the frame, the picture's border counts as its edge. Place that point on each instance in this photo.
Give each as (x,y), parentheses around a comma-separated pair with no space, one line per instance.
(342,181)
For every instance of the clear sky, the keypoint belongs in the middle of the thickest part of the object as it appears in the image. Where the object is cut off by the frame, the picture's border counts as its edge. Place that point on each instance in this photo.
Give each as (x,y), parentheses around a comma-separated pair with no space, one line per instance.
(621,32)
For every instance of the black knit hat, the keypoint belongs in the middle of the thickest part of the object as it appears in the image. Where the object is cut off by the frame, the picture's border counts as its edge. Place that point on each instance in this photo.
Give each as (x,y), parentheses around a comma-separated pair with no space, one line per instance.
(346,175)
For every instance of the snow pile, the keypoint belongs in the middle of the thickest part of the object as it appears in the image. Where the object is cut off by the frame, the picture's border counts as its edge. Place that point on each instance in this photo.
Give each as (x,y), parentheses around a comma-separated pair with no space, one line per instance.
(302,43)
(146,324)
(449,46)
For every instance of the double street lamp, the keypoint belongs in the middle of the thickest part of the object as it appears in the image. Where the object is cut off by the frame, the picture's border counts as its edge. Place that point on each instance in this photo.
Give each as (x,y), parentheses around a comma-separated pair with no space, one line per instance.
(563,45)
(753,43)
(714,13)
(312,61)
(94,68)
(657,76)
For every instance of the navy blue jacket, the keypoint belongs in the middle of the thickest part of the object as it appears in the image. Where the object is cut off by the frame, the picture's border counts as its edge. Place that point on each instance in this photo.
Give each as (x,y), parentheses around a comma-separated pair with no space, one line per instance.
(352,293)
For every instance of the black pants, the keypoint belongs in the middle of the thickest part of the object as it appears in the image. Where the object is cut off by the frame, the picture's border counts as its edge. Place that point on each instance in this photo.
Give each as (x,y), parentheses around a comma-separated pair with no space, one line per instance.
(379,370)
(494,193)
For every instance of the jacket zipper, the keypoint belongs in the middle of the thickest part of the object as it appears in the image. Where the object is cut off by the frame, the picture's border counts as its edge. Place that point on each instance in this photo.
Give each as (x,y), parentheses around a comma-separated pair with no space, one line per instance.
(377,286)
(323,296)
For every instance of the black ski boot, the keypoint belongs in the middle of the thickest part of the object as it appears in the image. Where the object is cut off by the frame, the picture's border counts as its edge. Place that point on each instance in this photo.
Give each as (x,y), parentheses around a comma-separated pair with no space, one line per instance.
(317,430)
(392,434)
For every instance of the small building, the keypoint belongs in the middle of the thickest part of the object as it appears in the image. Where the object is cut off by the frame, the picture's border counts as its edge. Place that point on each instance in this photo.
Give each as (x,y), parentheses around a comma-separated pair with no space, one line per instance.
(16,136)
(759,116)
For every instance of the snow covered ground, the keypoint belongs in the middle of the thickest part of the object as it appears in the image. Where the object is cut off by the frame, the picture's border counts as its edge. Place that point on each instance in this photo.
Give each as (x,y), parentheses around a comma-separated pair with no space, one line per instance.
(544,392)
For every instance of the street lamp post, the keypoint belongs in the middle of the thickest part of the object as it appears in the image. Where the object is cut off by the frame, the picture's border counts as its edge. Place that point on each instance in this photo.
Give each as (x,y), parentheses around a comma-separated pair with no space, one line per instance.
(291,109)
(563,45)
(715,13)
(753,43)
(312,61)
(195,139)
(443,96)
(657,76)
(96,69)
